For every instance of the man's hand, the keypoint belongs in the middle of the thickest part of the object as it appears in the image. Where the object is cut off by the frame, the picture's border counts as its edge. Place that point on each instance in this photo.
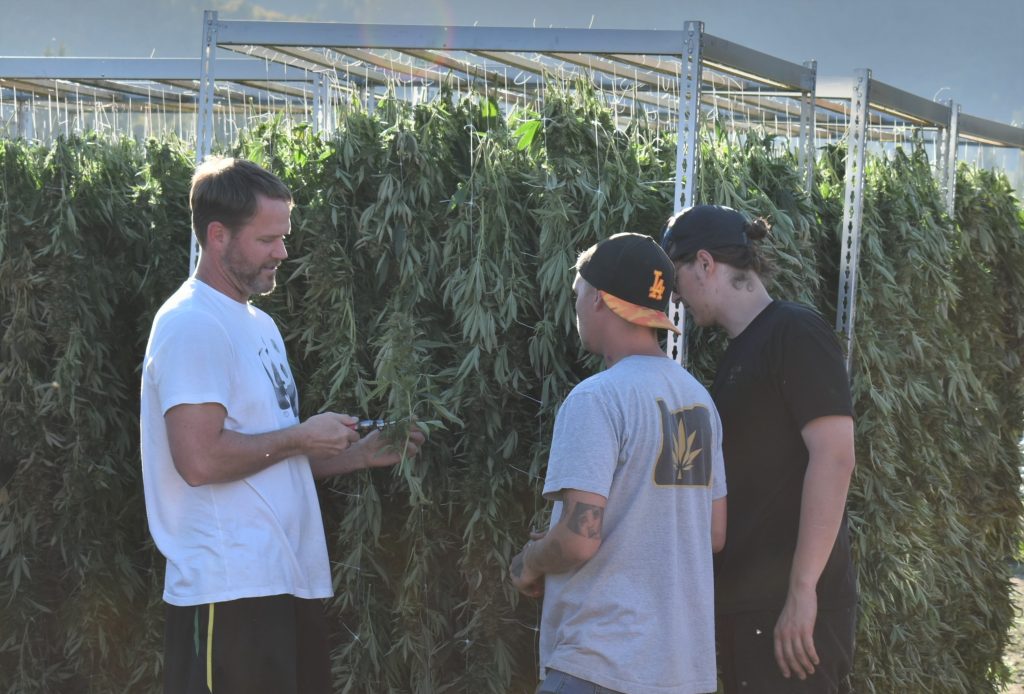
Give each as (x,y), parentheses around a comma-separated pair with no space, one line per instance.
(328,434)
(794,634)
(371,451)
(527,581)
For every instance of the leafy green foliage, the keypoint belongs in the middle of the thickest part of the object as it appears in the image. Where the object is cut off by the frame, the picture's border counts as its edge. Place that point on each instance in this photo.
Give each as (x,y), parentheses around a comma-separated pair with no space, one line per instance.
(430,276)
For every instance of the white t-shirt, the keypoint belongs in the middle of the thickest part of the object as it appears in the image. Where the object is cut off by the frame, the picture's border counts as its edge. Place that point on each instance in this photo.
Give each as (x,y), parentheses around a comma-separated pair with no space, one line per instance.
(639,616)
(262,535)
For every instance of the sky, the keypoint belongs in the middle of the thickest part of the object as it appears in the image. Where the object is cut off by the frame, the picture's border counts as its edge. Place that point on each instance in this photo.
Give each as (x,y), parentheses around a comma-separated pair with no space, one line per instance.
(932,48)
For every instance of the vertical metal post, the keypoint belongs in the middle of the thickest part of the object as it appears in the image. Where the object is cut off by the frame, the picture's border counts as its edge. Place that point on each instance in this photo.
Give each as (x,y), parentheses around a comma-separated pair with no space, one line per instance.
(853,208)
(807,124)
(689,116)
(330,115)
(204,116)
(951,152)
(319,107)
(1020,173)
(23,116)
(941,154)
(687,154)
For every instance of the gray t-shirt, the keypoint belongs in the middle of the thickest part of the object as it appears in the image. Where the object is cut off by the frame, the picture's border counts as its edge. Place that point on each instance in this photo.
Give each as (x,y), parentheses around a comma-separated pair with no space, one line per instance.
(639,616)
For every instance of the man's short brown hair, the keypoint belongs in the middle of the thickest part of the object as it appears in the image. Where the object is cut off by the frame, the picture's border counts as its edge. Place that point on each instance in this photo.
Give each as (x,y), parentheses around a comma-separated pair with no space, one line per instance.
(227,190)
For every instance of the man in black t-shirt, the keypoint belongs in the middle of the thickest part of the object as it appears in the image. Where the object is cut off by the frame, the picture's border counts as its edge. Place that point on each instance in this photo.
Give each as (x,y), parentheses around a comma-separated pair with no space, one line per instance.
(785,586)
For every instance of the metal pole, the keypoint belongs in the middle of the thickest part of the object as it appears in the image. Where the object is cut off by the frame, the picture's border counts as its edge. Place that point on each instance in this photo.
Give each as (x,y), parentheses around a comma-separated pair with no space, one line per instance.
(23,116)
(807,123)
(951,152)
(687,154)
(941,155)
(853,208)
(204,117)
(319,107)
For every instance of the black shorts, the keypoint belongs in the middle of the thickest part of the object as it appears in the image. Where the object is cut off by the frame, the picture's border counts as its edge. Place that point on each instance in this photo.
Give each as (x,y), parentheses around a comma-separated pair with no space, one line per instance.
(275,644)
(746,654)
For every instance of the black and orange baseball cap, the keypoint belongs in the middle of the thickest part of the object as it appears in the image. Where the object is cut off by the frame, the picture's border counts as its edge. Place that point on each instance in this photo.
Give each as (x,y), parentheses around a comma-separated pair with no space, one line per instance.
(634,277)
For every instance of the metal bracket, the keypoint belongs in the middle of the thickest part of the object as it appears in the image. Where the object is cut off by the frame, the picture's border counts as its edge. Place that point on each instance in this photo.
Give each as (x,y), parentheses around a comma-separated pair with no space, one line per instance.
(853,208)
(204,117)
(951,156)
(687,154)
(807,124)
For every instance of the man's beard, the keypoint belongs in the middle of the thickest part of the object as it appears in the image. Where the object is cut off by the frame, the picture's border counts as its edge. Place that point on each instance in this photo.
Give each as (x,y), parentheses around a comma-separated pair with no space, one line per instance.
(249,278)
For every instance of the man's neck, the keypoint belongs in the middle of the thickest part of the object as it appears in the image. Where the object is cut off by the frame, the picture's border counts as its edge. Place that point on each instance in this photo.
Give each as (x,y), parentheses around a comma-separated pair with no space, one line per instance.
(642,342)
(743,307)
(214,279)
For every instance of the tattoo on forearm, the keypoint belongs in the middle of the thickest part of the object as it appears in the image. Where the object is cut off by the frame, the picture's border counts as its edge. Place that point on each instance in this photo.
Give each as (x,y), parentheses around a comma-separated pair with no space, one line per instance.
(517,565)
(585,520)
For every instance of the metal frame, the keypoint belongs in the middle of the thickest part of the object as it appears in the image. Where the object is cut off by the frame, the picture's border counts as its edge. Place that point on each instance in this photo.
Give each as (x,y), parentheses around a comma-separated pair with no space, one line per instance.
(807,123)
(853,208)
(104,89)
(752,81)
(650,69)
(951,156)
(687,155)
(204,120)
(876,104)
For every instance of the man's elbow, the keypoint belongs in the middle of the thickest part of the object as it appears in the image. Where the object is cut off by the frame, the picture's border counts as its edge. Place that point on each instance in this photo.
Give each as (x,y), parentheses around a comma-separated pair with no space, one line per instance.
(718,541)
(193,471)
(579,553)
(846,463)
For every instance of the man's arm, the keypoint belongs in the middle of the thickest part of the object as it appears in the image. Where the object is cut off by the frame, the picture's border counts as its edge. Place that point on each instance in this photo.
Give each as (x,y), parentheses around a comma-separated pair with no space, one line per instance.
(371,451)
(718,517)
(204,452)
(829,442)
(570,544)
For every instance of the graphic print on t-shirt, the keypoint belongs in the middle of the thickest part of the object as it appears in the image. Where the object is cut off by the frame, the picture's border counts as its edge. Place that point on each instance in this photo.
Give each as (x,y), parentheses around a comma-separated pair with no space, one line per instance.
(276,366)
(686,445)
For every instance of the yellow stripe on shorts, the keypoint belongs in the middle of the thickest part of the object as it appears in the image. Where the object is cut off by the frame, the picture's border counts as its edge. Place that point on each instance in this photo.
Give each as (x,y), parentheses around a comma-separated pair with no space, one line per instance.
(209,651)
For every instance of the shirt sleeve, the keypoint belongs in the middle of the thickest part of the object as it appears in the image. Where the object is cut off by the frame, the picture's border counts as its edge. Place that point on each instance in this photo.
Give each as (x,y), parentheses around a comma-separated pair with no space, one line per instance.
(187,361)
(584,448)
(812,374)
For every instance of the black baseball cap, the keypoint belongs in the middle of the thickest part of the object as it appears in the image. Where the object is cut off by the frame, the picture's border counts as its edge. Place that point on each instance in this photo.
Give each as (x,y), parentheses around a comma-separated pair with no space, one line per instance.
(704,227)
(634,277)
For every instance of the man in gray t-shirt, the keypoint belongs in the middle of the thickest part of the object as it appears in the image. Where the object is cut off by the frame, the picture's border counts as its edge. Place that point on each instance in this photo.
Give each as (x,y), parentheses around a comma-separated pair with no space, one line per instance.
(638,486)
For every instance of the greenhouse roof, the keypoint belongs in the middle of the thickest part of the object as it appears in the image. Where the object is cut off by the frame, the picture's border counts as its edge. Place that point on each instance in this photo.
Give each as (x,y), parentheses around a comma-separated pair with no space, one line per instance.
(288,64)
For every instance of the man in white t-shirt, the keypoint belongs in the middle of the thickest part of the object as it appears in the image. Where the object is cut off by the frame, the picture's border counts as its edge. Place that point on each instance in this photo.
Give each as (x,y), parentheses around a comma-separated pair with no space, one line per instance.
(227,465)
(636,476)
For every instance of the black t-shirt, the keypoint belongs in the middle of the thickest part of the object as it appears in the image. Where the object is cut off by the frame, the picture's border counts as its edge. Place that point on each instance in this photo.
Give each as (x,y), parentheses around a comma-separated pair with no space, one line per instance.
(785,369)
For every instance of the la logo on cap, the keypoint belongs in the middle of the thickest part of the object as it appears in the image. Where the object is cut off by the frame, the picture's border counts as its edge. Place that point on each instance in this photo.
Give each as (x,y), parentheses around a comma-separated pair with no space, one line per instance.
(657,289)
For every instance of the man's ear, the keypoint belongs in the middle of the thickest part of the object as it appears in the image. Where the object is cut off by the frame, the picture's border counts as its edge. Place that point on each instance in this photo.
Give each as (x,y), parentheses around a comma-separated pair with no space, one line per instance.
(704,262)
(217,234)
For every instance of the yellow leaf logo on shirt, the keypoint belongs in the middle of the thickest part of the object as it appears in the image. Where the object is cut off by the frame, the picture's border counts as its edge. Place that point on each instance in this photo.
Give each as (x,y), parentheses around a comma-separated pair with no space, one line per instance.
(683,450)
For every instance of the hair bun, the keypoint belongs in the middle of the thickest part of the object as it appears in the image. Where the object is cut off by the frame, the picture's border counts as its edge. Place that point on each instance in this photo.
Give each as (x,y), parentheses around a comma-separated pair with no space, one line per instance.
(758,229)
